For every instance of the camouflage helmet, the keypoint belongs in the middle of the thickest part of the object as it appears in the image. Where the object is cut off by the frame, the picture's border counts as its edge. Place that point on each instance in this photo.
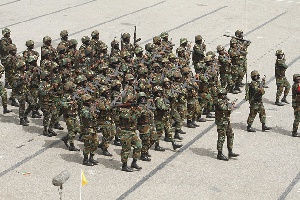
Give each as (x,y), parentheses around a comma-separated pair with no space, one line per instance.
(12,47)
(103,89)
(233,41)
(279,52)
(295,77)
(177,75)
(165,60)
(124,54)
(149,46)
(113,59)
(88,51)
(164,34)
(128,98)
(5,31)
(69,86)
(44,74)
(125,35)
(90,74)
(138,50)
(166,80)
(1,69)
(180,49)
(65,61)
(29,43)
(157,89)
(183,40)
(222,91)
(156,39)
(61,48)
(220,48)
(210,53)
(114,43)
(21,64)
(254,73)
(238,33)
(73,42)
(32,58)
(86,97)
(94,33)
(141,94)
(172,55)
(85,39)
(64,33)
(208,58)
(155,65)
(80,79)
(143,70)
(185,70)
(129,77)
(46,39)
(198,37)
(115,83)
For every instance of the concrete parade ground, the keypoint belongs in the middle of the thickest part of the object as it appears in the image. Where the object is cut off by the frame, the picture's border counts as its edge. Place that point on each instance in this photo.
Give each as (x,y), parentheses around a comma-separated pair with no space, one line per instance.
(269,163)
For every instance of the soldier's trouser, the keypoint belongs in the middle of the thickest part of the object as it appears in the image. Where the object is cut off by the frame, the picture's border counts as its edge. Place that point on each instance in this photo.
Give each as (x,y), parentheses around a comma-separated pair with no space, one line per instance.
(73,126)
(242,70)
(223,131)
(3,94)
(145,136)
(90,140)
(282,84)
(254,109)
(235,73)
(226,81)
(48,115)
(34,93)
(205,101)
(109,131)
(128,139)
(23,98)
(163,125)
(297,118)
(193,110)
(57,112)
(177,118)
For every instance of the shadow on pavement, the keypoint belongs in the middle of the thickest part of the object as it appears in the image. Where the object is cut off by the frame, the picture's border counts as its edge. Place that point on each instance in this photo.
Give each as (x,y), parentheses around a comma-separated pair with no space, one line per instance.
(204,152)
(75,158)
(239,126)
(281,131)
(109,163)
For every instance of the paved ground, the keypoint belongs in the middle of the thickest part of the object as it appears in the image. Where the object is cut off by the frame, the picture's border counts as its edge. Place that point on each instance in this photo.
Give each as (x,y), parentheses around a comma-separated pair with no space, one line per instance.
(268,167)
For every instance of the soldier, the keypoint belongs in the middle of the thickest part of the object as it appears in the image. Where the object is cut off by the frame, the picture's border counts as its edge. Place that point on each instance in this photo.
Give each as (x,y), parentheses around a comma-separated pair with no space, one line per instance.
(296,103)
(73,53)
(96,43)
(128,125)
(48,46)
(85,43)
(198,53)
(105,120)
(235,55)
(3,93)
(70,110)
(30,51)
(256,91)
(90,138)
(115,48)
(126,45)
(281,81)
(4,51)
(165,43)
(222,120)
(64,39)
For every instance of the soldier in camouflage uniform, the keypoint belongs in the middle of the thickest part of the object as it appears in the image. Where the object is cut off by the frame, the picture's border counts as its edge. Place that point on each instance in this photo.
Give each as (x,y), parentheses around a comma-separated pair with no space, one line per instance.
(236,68)
(165,43)
(73,53)
(48,46)
(4,52)
(96,43)
(256,91)
(85,43)
(3,93)
(70,111)
(222,120)
(198,53)
(281,81)
(64,35)
(30,51)
(128,126)
(105,120)
(126,45)
(115,48)
(296,103)
(90,138)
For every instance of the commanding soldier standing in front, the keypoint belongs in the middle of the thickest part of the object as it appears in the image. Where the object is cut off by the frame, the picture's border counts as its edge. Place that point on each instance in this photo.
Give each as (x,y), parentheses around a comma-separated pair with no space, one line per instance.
(296,103)
(281,81)
(3,93)
(4,51)
(256,91)
(223,111)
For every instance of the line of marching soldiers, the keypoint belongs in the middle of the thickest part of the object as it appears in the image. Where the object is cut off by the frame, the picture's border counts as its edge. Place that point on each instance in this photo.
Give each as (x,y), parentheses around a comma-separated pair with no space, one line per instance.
(120,92)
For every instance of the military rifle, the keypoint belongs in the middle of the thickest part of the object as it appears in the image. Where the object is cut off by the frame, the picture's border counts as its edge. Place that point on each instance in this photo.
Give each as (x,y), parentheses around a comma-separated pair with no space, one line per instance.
(237,38)
(135,40)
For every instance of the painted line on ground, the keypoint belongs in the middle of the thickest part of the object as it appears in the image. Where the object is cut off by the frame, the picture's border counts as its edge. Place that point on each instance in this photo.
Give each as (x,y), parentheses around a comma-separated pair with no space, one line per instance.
(9,3)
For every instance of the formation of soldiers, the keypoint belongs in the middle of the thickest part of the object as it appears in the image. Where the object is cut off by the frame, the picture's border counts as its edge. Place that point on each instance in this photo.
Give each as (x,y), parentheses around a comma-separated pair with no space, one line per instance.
(150,90)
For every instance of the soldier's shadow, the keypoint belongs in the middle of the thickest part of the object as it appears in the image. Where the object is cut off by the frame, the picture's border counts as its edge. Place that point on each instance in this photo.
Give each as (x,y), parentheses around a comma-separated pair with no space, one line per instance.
(9,119)
(204,152)
(75,158)
(281,131)
(268,101)
(239,126)
(109,163)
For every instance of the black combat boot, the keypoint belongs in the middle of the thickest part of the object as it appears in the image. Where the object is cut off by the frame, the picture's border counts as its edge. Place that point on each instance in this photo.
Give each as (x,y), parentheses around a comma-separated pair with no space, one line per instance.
(221,156)
(176,146)
(51,132)
(5,110)
(117,141)
(237,88)
(86,161)
(194,123)
(35,114)
(231,154)
(168,138)
(145,157)
(181,131)
(278,103)
(189,124)
(23,122)
(294,134)
(284,100)
(92,160)
(45,132)
(73,148)
(106,153)
(265,128)
(177,136)
(158,148)
(65,140)
(200,119)
(210,115)
(250,129)
(14,103)
(80,138)
(58,126)
(135,165)
(26,119)
(125,167)
(7,85)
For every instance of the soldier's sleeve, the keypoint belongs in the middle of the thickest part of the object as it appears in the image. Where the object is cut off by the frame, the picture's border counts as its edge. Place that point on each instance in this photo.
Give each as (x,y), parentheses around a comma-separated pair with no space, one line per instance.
(281,63)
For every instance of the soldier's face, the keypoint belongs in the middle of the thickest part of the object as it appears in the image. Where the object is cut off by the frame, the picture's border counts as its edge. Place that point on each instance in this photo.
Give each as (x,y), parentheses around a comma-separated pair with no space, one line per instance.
(167,85)
(280,56)
(143,100)
(7,35)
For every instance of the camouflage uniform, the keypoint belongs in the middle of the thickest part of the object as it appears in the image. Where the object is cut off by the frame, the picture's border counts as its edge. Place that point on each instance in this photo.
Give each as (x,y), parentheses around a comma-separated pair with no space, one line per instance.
(296,103)
(64,40)
(5,42)
(236,60)
(281,81)
(126,45)
(3,93)
(47,46)
(29,51)
(198,54)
